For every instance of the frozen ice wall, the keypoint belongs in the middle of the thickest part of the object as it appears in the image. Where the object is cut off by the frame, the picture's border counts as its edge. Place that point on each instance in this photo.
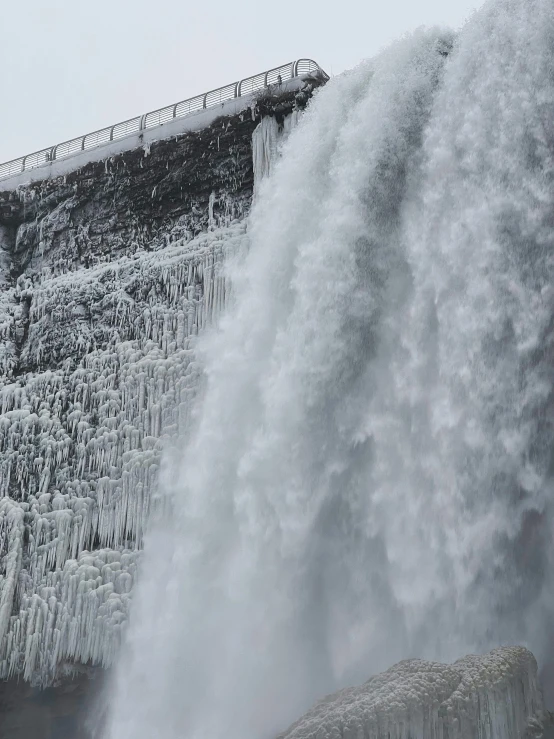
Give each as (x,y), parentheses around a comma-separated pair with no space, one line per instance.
(80,447)
(107,278)
(370,474)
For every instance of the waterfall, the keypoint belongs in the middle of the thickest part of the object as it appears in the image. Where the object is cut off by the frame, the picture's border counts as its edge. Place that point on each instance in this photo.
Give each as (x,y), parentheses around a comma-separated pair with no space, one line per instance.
(370,473)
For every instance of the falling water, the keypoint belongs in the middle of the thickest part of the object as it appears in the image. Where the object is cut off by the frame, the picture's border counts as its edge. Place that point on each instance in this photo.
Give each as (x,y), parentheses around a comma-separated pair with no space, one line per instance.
(370,476)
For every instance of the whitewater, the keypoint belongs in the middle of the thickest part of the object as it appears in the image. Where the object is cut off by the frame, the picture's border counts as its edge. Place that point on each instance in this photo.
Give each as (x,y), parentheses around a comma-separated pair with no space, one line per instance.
(369,476)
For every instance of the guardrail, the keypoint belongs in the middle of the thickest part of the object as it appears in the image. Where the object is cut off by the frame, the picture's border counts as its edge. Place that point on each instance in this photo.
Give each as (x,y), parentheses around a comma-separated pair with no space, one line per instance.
(159,117)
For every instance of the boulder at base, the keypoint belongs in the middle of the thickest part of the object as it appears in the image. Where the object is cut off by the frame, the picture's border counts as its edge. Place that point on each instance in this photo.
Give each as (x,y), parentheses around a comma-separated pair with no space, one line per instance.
(496,696)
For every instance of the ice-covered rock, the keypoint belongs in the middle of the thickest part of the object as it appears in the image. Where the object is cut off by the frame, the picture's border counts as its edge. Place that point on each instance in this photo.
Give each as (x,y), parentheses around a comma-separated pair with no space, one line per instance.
(81,440)
(107,277)
(495,696)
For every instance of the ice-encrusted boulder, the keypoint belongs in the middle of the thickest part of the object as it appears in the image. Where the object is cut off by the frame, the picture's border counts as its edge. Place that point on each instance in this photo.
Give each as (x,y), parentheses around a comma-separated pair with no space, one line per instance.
(495,696)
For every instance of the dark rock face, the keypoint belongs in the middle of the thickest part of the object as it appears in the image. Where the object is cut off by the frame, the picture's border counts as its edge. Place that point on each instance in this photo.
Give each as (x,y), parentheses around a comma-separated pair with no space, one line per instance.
(58,712)
(140,199)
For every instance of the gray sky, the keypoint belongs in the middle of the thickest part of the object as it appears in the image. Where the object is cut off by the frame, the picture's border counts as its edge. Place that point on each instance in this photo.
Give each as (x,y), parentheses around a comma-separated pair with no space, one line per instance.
(70,66)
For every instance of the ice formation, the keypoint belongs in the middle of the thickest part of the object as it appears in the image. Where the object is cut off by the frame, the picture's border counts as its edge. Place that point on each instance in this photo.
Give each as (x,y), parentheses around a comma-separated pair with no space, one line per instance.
(267,141)
(493,697)
(80,448)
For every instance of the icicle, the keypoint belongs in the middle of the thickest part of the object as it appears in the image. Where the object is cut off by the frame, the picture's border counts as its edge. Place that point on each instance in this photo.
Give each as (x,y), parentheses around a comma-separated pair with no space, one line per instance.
(82,444)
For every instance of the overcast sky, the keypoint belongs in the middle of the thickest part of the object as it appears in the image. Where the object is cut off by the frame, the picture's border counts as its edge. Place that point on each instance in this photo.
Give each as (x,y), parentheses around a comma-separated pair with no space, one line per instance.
(71,66)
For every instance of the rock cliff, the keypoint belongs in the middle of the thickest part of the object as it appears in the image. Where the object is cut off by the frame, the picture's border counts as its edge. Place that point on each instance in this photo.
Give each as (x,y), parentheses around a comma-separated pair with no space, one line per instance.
(108,273)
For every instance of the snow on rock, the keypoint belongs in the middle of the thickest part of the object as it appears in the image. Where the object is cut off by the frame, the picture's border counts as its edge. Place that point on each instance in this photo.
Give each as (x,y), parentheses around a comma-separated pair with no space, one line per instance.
(495,696)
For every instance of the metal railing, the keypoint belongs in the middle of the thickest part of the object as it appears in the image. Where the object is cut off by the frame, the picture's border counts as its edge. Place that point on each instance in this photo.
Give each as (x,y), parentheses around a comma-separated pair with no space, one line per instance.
(159,117)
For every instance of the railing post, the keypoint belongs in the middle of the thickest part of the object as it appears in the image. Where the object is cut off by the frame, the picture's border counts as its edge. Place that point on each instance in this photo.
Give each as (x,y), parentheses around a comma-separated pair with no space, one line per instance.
(83,142)
(142,122)
(265,79)
(23,164)
(52,153)
(111,132)
(175,110)
(237,93)
(204,100)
